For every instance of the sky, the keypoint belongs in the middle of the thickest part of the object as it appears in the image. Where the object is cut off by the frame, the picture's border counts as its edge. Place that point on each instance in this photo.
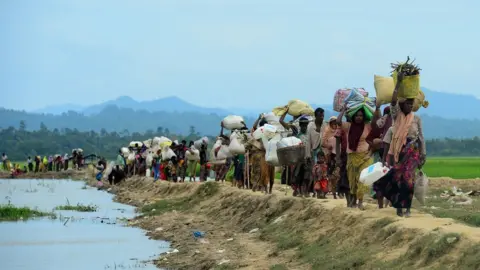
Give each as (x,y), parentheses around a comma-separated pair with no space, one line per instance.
(243,54)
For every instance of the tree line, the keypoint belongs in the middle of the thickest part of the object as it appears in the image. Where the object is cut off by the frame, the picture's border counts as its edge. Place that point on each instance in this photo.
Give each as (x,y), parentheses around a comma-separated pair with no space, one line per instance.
(19,143)
(113,118)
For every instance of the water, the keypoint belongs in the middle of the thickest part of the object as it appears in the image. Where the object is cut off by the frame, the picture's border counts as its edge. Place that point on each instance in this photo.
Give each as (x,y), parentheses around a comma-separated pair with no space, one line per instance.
(76,240)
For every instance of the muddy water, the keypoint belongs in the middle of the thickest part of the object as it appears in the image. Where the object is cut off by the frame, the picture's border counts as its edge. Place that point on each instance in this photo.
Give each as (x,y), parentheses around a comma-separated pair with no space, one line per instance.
(75,240)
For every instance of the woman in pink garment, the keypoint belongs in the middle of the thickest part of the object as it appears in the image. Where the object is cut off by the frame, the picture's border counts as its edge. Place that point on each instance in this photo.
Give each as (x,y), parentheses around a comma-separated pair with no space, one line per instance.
(358,151)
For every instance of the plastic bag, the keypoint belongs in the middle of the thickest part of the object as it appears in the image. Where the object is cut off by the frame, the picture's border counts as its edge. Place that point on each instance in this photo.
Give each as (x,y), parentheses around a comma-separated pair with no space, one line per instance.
(271,154)
(203,141)
(131,157)
(160,140)
(271,118)
(167,153)
(288,141)
(233,122)
(342,94)
(421,187)
(149,159)
(295,108)
(235,147)
(267,131)
(135,144)
(409,87)
(193,156)
(148,143)
(125,151)
(223,153)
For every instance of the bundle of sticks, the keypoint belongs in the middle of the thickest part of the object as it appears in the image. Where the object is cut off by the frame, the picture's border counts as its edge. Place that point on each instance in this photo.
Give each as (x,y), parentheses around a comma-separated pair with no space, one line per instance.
(408,69)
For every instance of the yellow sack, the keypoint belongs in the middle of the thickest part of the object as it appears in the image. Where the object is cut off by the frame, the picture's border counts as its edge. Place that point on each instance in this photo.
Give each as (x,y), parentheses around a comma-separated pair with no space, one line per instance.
(295,107)
(166,143)
(410,86)
(420,101)
(384,87)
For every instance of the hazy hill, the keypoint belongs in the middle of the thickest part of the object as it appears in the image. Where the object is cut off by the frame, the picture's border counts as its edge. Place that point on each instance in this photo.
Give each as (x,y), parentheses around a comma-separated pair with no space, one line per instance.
(445,105)
(112,118)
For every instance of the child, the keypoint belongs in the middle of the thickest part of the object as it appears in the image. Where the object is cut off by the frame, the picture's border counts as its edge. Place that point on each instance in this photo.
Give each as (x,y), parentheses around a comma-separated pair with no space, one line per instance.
(319,174)
(172,165)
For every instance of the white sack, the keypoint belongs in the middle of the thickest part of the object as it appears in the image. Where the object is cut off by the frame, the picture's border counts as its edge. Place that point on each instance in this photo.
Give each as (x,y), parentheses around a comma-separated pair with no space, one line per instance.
(233,122)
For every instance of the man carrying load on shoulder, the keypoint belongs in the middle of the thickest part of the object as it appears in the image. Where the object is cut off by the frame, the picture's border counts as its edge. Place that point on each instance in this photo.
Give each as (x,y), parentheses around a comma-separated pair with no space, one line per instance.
(302,171)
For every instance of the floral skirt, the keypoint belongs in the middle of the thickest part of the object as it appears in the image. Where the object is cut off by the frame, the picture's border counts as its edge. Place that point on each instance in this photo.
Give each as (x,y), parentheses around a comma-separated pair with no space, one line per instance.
(398,184)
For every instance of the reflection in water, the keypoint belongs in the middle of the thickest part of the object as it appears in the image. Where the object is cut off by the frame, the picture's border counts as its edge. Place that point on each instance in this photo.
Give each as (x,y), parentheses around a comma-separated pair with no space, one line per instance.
(74,240)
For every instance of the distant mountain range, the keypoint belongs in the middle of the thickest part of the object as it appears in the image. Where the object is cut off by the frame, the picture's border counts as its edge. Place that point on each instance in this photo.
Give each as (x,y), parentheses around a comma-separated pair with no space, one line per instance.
(448,115)
(445,105)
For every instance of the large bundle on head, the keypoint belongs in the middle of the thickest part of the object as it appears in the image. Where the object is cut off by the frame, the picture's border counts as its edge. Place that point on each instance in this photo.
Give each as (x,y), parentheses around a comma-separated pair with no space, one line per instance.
(342,94)
(167,152)
(294,107)
(148,143)
(135,144)
(384,87)
(160,141)
(203,141)
(267,131)
(125,151)
(410,85)
(357,101)
(233,122)
(192,153)
(236,146)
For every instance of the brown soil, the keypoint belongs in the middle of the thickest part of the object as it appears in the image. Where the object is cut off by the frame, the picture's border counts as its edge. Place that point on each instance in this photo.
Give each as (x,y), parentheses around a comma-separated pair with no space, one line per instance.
(289,230)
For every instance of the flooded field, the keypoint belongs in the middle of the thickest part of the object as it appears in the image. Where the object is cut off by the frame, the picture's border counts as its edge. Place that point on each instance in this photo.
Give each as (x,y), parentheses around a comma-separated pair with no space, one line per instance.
(73,240)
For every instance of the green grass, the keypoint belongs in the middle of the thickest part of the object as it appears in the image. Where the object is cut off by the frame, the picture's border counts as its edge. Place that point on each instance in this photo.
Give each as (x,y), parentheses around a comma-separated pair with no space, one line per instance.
(12,213)
(454,167)
(78,208)
(205,190)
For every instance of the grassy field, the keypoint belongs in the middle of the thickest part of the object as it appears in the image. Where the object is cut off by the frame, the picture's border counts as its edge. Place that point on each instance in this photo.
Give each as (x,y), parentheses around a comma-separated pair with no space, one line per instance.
(454,167)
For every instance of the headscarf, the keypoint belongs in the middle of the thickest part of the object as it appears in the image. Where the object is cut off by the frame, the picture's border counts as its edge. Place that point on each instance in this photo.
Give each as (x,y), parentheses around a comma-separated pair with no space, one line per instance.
(354,134)
(402,125)
(328,132)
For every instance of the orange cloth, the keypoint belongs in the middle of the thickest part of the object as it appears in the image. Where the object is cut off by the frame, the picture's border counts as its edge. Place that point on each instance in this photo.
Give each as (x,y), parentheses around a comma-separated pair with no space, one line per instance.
(402,125)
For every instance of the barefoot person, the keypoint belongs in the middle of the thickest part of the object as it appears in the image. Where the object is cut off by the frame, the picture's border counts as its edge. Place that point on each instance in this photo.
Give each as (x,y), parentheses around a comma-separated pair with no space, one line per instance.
(359,156)
(319,175)
(407,153)
(302,171)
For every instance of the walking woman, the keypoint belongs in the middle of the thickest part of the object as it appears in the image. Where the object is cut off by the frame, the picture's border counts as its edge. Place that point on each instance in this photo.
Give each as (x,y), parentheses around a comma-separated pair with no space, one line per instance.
(262,173)
(406,153)
(358,153)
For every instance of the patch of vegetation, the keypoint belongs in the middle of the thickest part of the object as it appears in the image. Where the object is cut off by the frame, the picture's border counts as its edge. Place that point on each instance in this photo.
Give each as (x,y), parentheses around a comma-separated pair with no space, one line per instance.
(431,247)
(204,191)
(381,223)
(79,208)
(11,213)
(163,206)
(470,258)
(278,267)
(326,253)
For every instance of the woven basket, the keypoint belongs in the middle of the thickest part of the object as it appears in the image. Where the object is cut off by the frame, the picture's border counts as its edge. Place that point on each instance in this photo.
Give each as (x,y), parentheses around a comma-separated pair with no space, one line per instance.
(291,155)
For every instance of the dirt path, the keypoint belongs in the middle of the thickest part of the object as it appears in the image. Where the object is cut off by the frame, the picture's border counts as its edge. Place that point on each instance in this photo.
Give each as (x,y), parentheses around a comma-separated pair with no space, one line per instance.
(246,230)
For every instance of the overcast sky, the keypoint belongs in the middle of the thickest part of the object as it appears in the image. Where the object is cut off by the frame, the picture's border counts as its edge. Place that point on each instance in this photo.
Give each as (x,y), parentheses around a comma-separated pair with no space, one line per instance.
(228,53)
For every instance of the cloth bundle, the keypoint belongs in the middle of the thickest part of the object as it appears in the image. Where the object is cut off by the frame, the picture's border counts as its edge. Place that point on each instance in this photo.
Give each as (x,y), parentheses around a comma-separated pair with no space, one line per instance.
(357,101)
